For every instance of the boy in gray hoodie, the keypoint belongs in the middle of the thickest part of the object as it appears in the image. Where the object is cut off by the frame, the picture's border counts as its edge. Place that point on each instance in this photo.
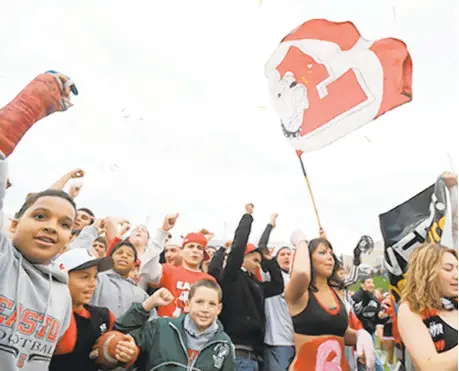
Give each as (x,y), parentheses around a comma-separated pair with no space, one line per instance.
(114,289)
(35,304)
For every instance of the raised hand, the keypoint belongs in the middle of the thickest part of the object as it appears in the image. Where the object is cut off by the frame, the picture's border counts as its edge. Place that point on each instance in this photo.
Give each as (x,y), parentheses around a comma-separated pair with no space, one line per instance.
(322,233)
(297,237)
(73,174)
(450,179)
(209,235)
(124,227)
(76,173)
(274,219)
(249,208)
(75,189)
(267,253)
(99,224)
(115,227)
(169,222)
(160,298)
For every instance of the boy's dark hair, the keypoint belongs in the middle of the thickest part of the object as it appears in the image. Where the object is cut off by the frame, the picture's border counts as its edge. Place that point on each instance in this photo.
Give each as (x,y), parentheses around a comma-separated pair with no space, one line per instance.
(76,233)
(91,214)
(124,243)
(101,239)
(206,283)
(34,197)
(362,281)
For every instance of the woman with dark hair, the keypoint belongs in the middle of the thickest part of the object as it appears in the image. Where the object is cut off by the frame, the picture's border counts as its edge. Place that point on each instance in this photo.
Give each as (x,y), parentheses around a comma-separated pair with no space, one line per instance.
(319,316)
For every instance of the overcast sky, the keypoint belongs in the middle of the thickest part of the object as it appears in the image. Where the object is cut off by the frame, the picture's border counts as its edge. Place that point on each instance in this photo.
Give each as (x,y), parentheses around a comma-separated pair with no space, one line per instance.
(194,71)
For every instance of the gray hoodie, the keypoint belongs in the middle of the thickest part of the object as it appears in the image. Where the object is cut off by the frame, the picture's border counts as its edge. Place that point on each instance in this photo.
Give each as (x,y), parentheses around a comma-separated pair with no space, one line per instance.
(197,340)
(113,291)
(35,305)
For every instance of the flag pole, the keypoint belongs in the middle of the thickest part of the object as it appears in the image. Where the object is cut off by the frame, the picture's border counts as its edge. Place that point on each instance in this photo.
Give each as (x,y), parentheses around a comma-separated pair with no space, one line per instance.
(310,190)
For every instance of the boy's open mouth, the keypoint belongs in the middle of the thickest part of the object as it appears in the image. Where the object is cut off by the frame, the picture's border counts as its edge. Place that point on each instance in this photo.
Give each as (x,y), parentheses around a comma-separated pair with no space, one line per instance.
(46,240)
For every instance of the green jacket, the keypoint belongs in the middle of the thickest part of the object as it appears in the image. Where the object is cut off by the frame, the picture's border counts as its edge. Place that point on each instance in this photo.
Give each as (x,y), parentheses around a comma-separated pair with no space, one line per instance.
(163,345)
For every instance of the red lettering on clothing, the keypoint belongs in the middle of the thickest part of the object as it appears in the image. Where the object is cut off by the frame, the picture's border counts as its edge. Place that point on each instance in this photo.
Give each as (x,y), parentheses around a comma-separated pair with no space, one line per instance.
(178,281)
(192,354)
(5,304)
(29,322)
(12,318)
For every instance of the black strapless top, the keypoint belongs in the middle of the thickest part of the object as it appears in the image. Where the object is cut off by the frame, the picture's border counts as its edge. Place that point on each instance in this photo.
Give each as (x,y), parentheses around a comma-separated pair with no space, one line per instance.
(442,334)
(317,320)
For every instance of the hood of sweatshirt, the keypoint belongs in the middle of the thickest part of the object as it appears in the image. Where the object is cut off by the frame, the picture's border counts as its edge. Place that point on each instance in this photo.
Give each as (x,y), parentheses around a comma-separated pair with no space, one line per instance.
(35,306)
(196,340)
(51,270)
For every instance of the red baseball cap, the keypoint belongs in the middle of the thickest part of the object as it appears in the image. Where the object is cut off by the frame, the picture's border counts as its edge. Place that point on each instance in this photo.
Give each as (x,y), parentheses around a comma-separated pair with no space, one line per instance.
(198,238)
(250,248)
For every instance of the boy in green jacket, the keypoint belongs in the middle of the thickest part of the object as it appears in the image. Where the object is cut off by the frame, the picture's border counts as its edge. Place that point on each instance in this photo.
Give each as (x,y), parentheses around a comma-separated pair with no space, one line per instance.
(194,341)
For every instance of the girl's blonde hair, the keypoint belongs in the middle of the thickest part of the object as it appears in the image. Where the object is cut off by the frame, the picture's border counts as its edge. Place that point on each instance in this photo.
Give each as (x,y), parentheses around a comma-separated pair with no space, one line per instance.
(422,289)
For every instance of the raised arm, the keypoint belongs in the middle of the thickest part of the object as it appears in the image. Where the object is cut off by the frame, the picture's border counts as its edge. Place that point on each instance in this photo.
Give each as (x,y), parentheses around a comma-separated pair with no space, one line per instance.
(138,314)
(353,276)
(3,184)
(241,237)
(275,286)
(150,268)
(86,238)
(417,340)
(6,248)
(63,180)
(48,93)
(300,277)
(115,228)
(359,300)
(216,264)
(264,239)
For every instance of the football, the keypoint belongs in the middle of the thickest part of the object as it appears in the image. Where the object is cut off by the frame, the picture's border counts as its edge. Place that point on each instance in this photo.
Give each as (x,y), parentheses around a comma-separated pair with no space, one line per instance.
(106,347)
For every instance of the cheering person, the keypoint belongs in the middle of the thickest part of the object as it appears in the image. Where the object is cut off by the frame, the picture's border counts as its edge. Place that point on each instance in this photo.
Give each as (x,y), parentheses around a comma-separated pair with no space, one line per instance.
(427,317)
(319,316)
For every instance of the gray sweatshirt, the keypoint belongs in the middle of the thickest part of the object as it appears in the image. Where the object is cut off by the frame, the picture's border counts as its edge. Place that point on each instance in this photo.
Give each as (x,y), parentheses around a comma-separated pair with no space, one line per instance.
(151,269)
(113,291)
(279,325)
(35,305)
(197,340)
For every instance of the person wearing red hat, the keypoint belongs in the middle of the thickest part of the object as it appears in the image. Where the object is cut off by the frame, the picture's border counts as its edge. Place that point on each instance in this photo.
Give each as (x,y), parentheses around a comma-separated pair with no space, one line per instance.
(177,279)
(243,314)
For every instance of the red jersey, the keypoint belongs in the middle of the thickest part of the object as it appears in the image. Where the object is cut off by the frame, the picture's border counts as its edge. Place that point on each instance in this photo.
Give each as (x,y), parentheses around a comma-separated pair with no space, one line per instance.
(178,281)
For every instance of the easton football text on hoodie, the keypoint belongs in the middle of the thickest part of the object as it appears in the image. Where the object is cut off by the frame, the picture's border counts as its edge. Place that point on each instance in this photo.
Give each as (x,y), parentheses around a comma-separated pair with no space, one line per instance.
(35,305)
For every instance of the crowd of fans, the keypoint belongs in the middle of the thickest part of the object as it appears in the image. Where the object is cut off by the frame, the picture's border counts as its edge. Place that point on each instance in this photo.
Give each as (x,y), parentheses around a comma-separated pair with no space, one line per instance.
(69,276)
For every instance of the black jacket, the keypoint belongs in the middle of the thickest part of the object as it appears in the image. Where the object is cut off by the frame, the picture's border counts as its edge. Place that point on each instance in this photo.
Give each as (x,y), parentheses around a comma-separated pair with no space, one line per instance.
(367,307)
(216,264)
(243,314)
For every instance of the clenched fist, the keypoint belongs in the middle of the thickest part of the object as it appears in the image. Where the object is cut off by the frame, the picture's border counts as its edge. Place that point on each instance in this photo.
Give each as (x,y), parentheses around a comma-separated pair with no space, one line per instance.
(169,222)
(249,208)
(160,298)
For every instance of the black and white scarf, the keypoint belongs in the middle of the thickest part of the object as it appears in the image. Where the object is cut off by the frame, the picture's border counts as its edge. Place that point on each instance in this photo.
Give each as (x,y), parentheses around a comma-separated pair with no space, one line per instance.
(449,304)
